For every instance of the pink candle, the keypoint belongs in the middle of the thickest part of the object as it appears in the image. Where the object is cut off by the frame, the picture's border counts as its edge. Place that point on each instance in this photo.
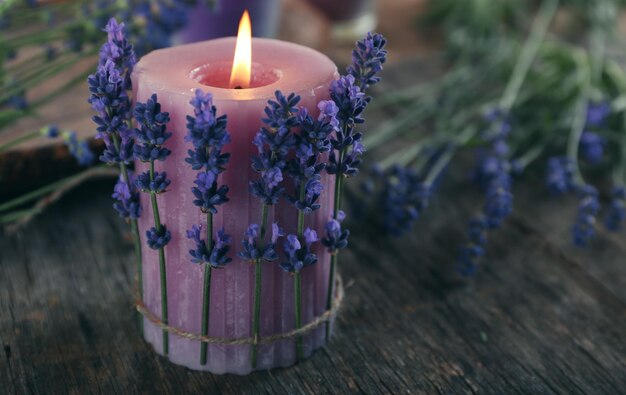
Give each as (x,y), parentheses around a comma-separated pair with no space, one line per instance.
(174,74)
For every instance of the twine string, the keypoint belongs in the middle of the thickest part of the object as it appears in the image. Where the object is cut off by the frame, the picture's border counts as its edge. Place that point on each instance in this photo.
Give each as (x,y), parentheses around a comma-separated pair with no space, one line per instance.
(317,321)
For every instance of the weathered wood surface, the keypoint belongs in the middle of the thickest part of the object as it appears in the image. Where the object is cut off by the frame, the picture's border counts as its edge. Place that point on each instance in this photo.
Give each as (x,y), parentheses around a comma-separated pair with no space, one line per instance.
(541,316)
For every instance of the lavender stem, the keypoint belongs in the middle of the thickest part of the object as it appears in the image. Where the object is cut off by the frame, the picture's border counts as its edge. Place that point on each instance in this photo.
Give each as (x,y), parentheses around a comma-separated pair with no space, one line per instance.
(257,288)
(298,280)
(162,269)
(207,290)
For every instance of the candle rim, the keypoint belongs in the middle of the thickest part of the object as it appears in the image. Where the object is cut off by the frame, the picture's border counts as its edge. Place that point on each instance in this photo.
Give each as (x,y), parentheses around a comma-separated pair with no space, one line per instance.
(180,82)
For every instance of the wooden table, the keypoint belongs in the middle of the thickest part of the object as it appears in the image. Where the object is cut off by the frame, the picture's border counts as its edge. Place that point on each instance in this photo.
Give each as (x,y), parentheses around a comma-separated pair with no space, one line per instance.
(540,316)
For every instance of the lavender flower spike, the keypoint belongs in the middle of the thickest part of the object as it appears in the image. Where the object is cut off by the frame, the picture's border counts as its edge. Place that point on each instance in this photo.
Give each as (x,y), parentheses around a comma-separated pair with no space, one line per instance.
(252,251)
(336,238)
(127,198)
(367,60)
(588,208)
(273,143)
(299,256)
(109,98)
(158,239)
(617,212)
(217,257)
(78,149)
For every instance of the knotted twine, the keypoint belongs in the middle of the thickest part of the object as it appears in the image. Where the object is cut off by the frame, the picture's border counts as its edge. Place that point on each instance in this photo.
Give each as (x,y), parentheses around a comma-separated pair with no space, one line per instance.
(317,321)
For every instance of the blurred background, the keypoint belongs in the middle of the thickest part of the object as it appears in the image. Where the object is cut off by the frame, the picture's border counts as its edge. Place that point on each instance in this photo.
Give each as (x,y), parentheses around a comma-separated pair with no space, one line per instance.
(466,50)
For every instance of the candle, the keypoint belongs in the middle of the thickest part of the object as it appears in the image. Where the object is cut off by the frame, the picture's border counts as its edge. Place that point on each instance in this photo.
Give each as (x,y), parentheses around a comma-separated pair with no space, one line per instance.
(174,74)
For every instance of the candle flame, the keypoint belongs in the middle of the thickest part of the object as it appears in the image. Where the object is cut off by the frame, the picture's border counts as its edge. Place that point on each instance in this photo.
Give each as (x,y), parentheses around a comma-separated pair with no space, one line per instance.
(242,64)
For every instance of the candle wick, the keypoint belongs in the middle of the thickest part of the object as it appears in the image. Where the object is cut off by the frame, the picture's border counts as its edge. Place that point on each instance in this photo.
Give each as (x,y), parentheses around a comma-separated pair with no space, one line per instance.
(238,87)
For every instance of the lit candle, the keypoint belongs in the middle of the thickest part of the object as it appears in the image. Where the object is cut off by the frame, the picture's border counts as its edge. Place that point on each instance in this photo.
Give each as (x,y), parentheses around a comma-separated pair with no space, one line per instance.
(174,74)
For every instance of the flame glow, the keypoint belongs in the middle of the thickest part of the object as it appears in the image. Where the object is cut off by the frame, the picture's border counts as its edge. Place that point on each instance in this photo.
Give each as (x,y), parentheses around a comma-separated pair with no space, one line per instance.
(242,64)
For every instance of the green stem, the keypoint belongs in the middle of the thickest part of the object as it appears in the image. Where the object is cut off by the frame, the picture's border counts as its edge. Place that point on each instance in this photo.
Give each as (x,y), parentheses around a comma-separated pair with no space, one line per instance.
(334,257)
(36,78)
(537,34)
(531,155)
(256,321)
(401,123)
(137,243)
(6,5)
(441,163)
(580,114)
(15,215)
(18,201)
(135,231)
(162,269)
(404,158)
(298,280)
(9,119)
(19,140)
(298,302)
(207,290)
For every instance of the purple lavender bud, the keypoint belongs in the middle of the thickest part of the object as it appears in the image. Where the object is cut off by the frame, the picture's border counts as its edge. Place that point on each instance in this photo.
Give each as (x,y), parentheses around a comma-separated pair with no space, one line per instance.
(276,232)
(206,130)
(281,114)
(251,250)
(592,147)
(367,60)
(310,236)
(157,185)
(299,256)
(341,215)
(200,254)
(588,208)
(127,200)
(208,197)
(328,113)
(617,211)
(349,99)
(218,257)
(467,261)
(252,233)
(559,175)
(403,198)
(499,201)
(50,131)
(152,131)
(292,244)
(78,149)
(335,238)
(157,240)
(313,188)
(273,177)
(597,113)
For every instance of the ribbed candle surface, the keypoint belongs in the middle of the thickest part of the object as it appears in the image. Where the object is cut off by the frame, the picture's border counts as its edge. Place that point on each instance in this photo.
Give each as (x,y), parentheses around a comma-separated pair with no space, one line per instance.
(174,74)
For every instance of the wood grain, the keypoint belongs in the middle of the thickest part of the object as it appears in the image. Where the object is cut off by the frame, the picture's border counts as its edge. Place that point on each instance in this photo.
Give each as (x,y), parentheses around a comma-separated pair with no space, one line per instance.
(540,317)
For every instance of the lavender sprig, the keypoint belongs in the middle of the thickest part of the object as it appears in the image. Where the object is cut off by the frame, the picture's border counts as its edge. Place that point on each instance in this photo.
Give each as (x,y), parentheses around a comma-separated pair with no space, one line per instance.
(348,93)
(274,141)
(109,98)
(305,168)
(207,132)
(336,238)
(498,204)
(299,255)
(404,197)
(149,137)
(127,198)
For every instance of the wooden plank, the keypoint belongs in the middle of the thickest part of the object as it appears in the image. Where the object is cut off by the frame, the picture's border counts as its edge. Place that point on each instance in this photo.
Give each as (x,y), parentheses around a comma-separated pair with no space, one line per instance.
(534,320)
